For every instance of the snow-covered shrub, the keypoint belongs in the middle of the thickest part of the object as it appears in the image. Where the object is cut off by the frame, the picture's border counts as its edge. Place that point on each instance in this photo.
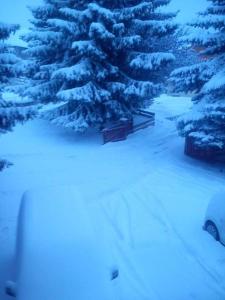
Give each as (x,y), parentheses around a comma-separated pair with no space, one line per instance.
(206,122)
(99,59)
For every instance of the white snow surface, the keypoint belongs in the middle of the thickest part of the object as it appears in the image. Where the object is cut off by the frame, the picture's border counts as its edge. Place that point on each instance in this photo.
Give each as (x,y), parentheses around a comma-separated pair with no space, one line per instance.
(56,234)
(12,97)
(151,197)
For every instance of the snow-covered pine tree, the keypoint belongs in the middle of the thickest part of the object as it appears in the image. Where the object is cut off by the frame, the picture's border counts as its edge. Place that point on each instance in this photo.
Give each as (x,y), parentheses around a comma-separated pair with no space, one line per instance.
(98,60)
(205,124)
(10,113)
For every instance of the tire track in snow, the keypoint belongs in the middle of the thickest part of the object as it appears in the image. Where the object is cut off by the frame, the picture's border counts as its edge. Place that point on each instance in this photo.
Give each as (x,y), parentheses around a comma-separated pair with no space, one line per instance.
(191,252)
(124,255)
(166,221)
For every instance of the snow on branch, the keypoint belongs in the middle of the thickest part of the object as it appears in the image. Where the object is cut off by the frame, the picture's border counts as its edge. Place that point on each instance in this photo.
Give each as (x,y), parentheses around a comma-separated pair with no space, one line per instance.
(79,72)
(152,61)
(103,14)
(98,31)
(128,42)
(216,82)
(156,27)
(87,48)
(87,94)
(142,89)
(63,25)
(44,36)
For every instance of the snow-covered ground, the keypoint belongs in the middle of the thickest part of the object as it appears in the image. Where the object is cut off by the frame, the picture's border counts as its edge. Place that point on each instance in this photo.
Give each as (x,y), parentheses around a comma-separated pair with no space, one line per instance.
(152,196)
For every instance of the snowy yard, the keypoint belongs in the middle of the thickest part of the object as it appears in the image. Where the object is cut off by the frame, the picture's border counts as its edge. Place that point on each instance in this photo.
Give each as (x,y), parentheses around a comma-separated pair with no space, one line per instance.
(152,196)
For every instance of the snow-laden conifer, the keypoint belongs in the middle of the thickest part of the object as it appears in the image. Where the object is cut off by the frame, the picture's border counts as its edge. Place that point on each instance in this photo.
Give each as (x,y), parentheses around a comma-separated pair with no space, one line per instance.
(10,113)
(100,60)
(205,124)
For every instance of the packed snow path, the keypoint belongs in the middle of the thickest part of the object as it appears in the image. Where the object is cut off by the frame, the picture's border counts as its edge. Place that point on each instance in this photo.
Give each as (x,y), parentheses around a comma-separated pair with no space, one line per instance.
(152,197)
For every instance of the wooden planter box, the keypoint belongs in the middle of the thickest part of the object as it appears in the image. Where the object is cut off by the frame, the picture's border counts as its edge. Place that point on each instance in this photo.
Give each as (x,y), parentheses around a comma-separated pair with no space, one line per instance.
(208,153)
(118,131)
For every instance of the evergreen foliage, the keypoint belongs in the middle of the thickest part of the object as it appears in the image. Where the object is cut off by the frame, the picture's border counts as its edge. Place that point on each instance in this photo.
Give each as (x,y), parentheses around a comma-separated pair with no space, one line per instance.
(206,122)
(183,52)
(10,113)
(99,60)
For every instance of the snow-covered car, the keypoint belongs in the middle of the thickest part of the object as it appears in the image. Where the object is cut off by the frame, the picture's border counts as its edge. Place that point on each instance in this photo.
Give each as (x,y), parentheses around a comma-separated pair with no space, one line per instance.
(215,217)
(59,253)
